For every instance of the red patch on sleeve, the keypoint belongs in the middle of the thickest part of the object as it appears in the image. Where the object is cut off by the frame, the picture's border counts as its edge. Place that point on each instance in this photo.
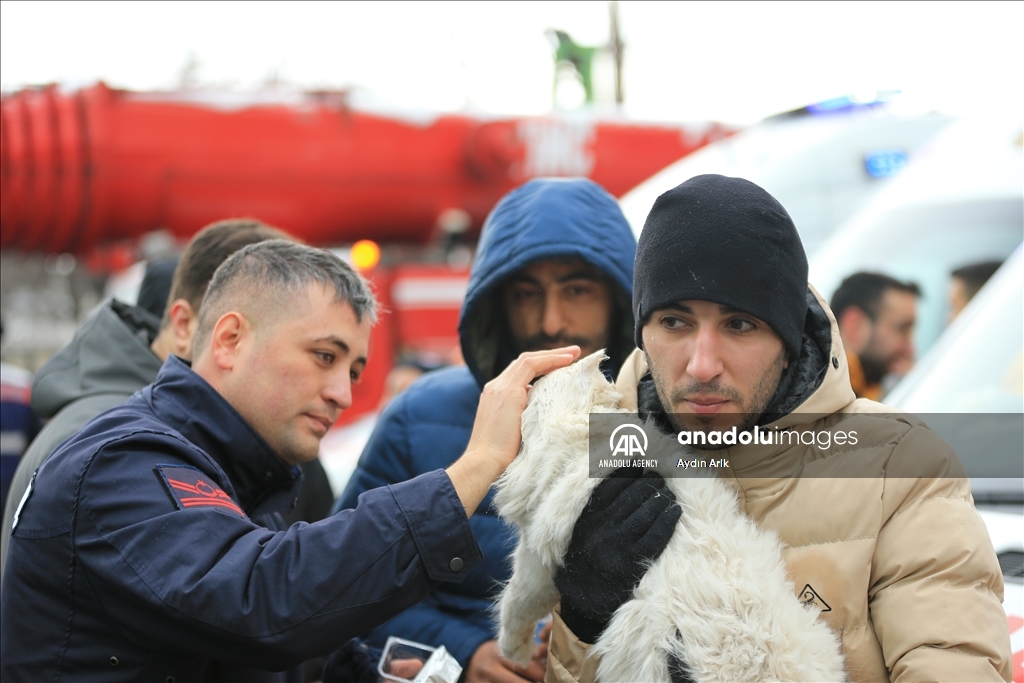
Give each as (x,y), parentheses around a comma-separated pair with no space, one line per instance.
(190,487)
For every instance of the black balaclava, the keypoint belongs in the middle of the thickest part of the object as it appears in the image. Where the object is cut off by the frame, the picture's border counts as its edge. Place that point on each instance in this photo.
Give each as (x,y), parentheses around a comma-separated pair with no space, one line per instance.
(723,240)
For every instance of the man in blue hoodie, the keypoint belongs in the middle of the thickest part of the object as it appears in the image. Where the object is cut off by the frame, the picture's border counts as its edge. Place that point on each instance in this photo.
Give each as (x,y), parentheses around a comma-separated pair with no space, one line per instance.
(554,266)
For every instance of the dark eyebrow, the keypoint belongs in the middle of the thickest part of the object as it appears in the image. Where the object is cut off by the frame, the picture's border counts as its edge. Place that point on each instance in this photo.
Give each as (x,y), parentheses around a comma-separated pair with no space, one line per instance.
(523,278)
(683,308)
(568,277)
(677,306)
(579,275)
(342,346)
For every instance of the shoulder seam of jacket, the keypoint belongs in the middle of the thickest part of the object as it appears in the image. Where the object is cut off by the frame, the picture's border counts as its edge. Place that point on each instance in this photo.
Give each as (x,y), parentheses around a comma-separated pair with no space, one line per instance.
(960,498)
(964,584)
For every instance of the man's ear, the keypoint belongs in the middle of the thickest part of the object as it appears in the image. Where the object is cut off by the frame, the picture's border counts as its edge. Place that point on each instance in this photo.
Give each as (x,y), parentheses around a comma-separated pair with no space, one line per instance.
(229,335)
(183,323)
(855,328)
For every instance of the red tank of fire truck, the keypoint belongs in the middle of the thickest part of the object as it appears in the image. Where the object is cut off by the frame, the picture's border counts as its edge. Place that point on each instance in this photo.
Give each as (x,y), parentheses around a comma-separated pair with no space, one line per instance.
(93,165)
(97,166)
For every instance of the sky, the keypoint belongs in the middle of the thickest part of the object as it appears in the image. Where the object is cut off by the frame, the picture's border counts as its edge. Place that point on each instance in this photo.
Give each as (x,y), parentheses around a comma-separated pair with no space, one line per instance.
(734,62)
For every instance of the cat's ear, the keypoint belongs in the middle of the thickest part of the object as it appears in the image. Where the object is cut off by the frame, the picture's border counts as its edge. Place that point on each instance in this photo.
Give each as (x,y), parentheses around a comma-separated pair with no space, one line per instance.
(592,363)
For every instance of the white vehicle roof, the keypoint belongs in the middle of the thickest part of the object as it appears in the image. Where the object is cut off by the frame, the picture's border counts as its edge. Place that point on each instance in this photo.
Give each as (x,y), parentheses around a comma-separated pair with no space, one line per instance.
(821,167)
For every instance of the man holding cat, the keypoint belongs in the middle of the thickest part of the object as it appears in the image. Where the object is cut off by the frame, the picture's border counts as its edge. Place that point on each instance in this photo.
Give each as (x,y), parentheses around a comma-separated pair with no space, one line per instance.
(731,334)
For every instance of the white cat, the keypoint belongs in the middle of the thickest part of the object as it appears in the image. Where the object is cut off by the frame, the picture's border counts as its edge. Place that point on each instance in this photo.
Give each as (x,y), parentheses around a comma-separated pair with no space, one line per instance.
(717,598)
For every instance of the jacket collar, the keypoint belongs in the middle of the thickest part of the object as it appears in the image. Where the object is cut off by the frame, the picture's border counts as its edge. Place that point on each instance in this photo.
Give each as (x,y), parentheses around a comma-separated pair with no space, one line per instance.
(185,402)
(109,354)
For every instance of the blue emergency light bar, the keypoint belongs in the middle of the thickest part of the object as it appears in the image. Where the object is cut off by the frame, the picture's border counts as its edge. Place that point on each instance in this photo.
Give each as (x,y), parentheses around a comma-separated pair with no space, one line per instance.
(885,162)
(842,104)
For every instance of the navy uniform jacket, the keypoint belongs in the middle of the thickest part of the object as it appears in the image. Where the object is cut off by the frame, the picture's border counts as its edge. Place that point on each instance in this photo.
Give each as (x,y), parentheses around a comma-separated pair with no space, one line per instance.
(138,555)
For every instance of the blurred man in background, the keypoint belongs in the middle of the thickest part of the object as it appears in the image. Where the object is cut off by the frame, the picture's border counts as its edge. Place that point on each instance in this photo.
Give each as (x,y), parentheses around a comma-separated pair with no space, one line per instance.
(876,316)
(119,349)
(965,282)
(554,266)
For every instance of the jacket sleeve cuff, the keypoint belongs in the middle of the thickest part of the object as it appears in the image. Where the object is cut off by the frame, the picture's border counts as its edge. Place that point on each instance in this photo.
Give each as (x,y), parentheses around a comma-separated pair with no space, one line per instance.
(437,521)
(569,658)
(586,630)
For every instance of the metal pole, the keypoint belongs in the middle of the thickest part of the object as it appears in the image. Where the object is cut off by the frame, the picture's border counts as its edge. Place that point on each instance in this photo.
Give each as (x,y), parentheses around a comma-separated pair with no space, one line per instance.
(617,48)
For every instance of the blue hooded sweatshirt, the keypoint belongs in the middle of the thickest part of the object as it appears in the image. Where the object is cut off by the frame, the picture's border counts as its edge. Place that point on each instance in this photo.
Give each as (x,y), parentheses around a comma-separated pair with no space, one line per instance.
(428,426)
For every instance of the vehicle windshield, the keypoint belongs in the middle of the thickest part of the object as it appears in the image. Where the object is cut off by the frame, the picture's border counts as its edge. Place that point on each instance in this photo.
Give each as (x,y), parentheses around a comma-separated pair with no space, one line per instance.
(977,367)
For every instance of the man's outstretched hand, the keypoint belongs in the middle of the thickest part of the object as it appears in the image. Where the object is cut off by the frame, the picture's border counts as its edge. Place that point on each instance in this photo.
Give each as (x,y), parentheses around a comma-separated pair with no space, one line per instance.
(497,429)
(625,526)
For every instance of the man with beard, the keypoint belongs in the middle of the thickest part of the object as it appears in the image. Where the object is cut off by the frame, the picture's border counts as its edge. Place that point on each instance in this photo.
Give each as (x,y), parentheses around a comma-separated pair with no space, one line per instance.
(553,267)
(879,536)
(876,316)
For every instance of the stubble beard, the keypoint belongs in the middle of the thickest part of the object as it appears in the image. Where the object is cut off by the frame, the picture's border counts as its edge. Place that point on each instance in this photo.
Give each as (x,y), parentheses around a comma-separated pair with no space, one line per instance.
(761,397)
(873,365)
(295,450)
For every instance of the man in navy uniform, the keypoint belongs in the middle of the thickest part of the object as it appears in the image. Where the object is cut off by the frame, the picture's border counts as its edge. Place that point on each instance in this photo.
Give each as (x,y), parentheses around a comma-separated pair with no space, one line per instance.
(149,546)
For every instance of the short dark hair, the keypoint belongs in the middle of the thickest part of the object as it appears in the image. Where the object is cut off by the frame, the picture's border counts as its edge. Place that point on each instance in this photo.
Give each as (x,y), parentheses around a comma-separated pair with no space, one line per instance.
(865,291)
(210,247)
(975,275)
(271,267)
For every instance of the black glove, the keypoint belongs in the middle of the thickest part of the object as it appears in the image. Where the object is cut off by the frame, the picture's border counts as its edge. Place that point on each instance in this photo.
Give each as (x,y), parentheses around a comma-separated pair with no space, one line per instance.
(353,662)
(625,526)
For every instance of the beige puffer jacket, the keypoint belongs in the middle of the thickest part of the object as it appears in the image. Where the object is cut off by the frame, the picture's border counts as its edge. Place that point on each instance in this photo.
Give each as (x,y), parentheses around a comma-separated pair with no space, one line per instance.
(902,568)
